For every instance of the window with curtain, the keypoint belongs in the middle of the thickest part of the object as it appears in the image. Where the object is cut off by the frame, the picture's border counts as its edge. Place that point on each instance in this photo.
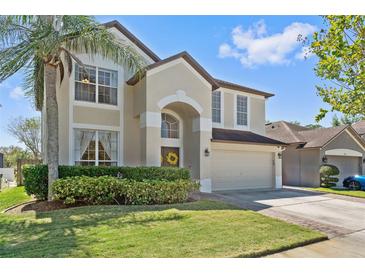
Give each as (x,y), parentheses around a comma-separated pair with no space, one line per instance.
(216,106)
(97,85)
(169,126)
(94,147)
(241,110)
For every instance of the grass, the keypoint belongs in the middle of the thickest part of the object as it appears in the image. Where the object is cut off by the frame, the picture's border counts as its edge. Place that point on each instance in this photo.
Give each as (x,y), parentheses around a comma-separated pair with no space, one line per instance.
(12,196)
(352,193)
(198,229)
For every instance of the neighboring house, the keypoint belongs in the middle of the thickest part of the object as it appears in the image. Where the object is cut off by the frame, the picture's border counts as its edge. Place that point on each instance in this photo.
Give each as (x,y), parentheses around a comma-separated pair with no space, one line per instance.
(1,160)
(308,149)
(176,114)
(360,128)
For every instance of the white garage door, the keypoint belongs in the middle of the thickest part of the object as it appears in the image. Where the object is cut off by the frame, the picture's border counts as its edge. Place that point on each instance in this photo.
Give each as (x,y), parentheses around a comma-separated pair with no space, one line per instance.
(242,170)
(346,164)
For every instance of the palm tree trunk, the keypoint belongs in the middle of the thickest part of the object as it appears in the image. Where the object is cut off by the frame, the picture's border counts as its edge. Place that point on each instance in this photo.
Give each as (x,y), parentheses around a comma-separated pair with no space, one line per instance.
(51,125)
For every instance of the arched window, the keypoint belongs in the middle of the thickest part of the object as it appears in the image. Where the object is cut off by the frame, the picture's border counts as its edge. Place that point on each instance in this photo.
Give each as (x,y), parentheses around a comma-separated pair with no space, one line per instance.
(169,126)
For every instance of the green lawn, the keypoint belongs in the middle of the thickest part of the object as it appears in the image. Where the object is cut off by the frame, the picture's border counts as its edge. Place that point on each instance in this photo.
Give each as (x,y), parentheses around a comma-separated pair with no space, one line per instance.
(12,196)
(352,193)
(198,229)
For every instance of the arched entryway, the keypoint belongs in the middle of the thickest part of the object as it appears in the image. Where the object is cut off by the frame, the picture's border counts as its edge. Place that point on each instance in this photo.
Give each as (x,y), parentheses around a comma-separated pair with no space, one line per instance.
(180,141)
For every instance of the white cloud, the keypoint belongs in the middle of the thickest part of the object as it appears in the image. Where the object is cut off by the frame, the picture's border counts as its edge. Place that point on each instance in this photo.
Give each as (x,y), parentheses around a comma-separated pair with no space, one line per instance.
(255,46)
(17,93)
(305,53)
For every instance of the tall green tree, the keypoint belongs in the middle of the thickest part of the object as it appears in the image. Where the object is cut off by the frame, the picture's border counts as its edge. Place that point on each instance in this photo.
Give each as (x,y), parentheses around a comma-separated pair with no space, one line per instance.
(28,132)
(340,48)
(345,120)
(45,45)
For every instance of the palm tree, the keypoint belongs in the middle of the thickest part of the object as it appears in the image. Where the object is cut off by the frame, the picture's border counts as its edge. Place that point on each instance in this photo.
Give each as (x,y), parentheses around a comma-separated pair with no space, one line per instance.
(43,46)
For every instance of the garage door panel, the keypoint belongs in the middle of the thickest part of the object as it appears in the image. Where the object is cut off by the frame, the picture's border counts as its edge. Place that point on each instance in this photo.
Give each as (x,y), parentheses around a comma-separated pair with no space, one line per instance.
(241,170)
(347,165)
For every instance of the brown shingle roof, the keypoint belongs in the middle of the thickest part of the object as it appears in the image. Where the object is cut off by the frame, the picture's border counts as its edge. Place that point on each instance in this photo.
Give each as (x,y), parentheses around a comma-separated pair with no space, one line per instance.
(239,136)
(284,131)
(320,136)
(237,87)
(359,127)
(309,138)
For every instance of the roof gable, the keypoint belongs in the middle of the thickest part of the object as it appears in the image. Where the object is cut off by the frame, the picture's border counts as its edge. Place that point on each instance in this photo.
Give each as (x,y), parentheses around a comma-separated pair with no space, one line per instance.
(132,38)
(188,58)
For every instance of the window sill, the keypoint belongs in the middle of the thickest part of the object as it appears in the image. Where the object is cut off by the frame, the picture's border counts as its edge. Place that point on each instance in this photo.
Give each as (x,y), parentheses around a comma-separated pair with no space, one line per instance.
(95,105)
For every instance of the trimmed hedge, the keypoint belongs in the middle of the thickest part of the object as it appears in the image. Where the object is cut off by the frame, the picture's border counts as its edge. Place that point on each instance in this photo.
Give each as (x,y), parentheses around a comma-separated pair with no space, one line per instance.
(111,190)
(36,176)
(326,175)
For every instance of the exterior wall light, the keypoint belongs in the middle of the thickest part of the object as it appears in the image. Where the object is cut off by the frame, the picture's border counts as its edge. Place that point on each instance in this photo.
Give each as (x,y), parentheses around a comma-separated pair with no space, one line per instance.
(206,152)
(324,159)
(280,155)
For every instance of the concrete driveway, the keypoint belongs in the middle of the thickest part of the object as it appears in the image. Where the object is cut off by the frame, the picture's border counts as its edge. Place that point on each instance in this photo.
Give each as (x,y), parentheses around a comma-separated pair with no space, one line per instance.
(341,218)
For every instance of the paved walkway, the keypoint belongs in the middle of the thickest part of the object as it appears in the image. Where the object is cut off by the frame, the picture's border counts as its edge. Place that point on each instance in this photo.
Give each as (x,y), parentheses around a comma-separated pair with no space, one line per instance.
(341,218)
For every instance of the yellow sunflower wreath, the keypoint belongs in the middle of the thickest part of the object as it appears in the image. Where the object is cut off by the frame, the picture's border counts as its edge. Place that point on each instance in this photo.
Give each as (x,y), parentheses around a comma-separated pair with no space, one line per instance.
(172,158)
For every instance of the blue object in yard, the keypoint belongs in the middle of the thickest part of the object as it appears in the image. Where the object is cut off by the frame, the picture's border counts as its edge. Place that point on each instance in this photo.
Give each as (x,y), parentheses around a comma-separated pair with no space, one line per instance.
(356,182)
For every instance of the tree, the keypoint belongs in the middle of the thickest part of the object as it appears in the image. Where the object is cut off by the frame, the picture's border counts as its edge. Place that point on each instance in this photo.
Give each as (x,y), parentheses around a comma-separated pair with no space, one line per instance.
(340,49)
(345,120)
(313,126)
(335,121)
(295,123)
(28,132)
(13,153)
(43,46)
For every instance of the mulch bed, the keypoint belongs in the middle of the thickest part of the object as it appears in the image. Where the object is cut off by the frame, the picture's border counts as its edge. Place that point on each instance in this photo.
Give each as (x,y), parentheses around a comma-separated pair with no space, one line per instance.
(41,206)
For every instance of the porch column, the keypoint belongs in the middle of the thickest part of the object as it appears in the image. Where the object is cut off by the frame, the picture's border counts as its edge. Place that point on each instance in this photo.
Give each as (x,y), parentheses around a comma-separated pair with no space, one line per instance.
(278,169)
(150,126)
(202,132)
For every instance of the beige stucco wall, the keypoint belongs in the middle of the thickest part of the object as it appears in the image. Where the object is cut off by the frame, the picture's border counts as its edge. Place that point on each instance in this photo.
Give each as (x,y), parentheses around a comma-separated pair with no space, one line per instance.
(256,110)
(132,138)
(291,166)
(344,140)
(178,77)
(228,110)
(309,167)
(95,116)
(257,115)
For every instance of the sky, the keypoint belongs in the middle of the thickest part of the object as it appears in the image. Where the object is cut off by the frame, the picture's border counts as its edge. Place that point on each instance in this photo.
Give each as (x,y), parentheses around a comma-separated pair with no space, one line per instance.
(261,52)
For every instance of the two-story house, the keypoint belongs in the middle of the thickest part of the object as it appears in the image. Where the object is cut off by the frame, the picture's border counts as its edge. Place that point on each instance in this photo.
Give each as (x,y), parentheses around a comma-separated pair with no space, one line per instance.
(176,114)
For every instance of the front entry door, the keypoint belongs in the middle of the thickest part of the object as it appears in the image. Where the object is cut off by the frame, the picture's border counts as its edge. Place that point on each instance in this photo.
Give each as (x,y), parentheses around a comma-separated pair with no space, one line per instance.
(170,156)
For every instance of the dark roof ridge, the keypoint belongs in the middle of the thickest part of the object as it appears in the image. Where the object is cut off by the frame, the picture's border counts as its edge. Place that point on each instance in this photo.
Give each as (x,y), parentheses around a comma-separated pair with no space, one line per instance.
(116,24)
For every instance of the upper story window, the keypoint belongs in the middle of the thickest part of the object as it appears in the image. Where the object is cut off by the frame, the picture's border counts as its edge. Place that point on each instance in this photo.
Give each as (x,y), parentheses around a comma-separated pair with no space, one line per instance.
(216,107)
(169,126)
(93,147)
(96,85)
(241,110)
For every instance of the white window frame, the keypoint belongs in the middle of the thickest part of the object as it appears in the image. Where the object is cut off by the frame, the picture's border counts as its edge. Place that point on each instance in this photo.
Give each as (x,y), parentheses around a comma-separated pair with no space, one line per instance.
(174,142)
(96,103)
(242,127)
(221,124)
(96,145)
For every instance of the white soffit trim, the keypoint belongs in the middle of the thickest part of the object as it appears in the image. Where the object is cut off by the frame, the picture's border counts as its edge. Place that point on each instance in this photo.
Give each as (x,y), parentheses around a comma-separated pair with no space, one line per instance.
(174,63)
(202,124)
(180,96)
(150,119)
(343,152)
(94,126)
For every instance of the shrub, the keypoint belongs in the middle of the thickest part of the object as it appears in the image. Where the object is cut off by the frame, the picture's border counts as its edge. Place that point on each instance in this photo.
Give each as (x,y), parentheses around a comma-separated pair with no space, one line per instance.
(36,177)
(36,181)
(326,175)
(110,190)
